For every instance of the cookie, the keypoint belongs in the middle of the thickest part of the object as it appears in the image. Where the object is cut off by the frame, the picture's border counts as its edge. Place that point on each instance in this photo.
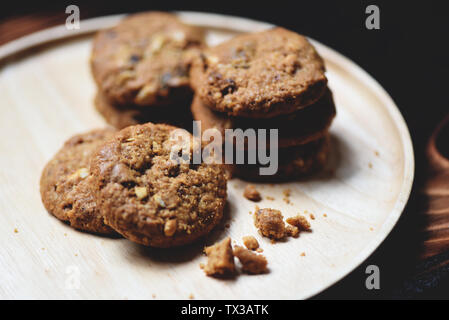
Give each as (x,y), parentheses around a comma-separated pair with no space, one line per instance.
(66,181)
(293,163)
(145,59)
(298,128)
(120,117)
(260,75)
(150,198)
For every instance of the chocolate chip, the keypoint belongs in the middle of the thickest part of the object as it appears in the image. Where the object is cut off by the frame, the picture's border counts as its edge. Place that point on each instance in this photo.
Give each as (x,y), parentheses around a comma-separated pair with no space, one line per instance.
(134,58)
(229,88)
(204,61)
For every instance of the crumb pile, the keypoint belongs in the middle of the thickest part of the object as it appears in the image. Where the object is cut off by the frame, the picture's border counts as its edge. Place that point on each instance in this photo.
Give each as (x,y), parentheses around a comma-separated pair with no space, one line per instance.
(221,255)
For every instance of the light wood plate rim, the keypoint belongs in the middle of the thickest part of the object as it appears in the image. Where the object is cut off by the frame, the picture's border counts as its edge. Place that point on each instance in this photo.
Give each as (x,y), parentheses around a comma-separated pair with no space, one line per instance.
(243,24)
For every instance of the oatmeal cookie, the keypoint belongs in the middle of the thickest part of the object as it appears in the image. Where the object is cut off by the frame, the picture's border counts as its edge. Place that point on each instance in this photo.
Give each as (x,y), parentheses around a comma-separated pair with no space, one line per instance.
(66,181)
(149,197)
(260,75)
(145,59)
(294,129)
(120,117)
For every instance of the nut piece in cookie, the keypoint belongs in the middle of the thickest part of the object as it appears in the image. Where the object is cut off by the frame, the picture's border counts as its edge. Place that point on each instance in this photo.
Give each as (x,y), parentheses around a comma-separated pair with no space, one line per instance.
(152,198)
(250,242)
(300,222)
(270,223)
(260,75)
(252,263)
(220,259)
(145,59)
(66,183)
(251,193)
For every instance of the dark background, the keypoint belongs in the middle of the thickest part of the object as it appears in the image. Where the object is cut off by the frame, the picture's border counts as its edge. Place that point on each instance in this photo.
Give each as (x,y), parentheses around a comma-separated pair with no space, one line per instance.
(408,56)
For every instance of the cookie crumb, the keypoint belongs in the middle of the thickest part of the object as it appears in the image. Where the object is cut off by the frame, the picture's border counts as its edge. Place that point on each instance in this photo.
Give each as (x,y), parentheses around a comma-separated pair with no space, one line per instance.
(191,296)
(252,263)
(269,198)
(300,222)
(370,165)
(371,228)
(250,242)
(376,153)
(16,230)
(220,258)
(286,198)
(270,223)
(251,193)
(303,254)
(312,216)
(259,250)
(325,215)
(292,231)
(153,295)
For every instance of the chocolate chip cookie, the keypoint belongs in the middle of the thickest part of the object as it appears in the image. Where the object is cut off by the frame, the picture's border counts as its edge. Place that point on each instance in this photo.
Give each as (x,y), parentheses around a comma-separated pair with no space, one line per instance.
(120,117)
(66,181)
(145,59)
(149,197)
(260,75)
(297,128)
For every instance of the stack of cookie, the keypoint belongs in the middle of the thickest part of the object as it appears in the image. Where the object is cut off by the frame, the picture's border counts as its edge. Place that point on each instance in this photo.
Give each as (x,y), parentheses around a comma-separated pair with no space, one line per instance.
(268,80)
(141,67)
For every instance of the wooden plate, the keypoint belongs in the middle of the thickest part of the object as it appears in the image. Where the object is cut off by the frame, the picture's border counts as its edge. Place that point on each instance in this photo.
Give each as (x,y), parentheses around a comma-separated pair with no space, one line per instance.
(46,96)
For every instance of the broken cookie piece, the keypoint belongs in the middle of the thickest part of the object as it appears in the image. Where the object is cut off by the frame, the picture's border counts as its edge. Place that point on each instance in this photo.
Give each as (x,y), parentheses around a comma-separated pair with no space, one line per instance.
(270,223)
(220,259)
(300,222)
(250,242)
(292,231)
(252,263)
(251,193)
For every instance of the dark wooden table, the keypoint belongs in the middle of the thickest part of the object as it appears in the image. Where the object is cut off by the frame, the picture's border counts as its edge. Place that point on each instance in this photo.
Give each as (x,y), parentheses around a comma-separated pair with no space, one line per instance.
(409,57)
